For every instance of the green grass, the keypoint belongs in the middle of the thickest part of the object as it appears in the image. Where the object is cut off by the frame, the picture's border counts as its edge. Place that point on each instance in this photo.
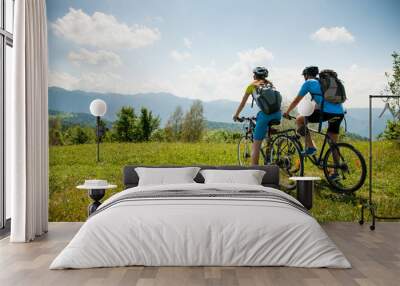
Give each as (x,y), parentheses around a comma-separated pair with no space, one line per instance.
(71,165)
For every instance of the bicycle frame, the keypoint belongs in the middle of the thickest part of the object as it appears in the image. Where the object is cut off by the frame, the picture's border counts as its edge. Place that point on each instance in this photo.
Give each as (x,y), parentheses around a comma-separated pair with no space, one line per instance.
(317,161)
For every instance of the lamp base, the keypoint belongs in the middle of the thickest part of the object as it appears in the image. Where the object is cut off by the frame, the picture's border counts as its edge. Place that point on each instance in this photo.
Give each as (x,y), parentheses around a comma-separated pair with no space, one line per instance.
(96,195)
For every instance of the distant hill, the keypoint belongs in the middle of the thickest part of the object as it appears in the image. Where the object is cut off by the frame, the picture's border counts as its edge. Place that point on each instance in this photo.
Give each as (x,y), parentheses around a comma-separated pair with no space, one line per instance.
(72,118)
(358,122)
(237,127)
(86,119)
(163,104)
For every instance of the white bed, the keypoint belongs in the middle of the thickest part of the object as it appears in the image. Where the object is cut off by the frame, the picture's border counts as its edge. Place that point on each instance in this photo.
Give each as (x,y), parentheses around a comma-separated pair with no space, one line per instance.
(202,231)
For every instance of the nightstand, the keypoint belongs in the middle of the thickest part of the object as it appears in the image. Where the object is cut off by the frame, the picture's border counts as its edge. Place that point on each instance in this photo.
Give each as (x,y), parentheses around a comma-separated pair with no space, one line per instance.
(305,189)
(96,191)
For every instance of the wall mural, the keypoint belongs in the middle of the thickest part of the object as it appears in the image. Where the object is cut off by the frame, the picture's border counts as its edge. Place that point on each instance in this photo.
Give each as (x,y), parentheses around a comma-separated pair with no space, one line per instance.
(156,82)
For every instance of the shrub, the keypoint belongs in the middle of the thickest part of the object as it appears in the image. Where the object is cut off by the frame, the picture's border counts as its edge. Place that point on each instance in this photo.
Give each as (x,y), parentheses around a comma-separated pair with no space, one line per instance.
(392,131)
(80,135)
(222,136)
(159,135)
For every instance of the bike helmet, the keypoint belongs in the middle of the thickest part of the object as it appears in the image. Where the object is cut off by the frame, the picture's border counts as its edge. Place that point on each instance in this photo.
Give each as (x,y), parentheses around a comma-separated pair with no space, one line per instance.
(260,72)
(311,71)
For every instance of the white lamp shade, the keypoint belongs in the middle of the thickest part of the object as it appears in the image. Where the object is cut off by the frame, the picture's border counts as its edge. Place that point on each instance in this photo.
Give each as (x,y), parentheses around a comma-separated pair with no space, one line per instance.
(98,107)
(306,107)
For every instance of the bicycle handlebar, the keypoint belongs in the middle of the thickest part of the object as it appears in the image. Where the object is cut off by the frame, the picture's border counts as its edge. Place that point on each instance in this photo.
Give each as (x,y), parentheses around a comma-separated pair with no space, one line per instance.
(241,119)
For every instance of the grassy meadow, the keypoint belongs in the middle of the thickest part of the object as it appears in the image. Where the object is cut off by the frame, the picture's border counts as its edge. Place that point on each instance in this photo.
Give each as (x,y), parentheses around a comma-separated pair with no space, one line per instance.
(71,165)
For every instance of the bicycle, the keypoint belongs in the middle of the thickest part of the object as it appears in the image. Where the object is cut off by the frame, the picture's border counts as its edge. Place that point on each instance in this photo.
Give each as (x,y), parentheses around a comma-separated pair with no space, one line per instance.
(284,149)
(291,165)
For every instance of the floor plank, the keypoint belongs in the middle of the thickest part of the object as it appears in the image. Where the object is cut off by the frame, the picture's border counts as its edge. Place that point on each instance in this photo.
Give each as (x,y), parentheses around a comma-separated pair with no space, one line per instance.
(375,257)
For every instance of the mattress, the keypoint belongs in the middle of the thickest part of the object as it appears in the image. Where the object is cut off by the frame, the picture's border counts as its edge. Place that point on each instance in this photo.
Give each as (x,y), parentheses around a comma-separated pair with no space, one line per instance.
(201,225)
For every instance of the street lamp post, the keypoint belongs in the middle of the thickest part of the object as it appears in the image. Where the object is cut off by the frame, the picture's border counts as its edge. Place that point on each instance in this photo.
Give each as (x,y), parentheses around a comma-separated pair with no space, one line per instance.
(98,108)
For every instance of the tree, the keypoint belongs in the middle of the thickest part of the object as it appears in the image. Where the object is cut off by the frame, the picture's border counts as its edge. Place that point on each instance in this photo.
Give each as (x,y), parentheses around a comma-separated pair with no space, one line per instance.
(55,133)
(392,130)
(147,124)
(173,128)
(394,78)
(193,123)
(124,129)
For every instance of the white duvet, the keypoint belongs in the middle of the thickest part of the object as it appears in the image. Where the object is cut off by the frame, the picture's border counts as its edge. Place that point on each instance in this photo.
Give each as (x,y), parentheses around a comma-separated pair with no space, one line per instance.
(200,231)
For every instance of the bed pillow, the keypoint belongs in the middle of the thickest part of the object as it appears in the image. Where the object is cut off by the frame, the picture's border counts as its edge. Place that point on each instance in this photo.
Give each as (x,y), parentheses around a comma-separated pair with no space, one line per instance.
(248,177)
(166,176)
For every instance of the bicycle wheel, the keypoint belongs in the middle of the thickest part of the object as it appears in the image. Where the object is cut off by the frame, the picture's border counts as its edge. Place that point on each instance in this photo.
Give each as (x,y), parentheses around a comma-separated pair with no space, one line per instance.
(286,154)
(344,168)
(244,151)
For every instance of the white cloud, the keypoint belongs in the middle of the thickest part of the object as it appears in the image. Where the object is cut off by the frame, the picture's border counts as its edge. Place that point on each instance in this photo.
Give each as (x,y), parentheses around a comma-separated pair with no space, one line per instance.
(180,56)
(62,79)
(98,58)
(333,34)
(102,31)
(100,81)
(254,56)
(361,82)
(89,81)
(209,82)
(187,42)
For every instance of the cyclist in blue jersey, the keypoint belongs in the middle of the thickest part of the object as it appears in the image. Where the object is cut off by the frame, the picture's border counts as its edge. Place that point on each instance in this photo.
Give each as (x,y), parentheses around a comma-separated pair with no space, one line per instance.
(331,112)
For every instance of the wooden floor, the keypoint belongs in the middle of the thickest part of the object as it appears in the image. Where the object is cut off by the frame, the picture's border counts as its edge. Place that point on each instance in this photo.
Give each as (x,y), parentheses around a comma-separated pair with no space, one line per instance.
(375,257)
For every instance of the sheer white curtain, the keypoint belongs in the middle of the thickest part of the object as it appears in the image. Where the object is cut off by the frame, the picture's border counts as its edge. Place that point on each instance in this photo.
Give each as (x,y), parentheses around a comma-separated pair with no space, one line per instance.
(27,123)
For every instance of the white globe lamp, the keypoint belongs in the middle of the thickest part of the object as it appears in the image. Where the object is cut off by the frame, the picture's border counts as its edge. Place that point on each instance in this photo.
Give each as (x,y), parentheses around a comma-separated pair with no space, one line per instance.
(98,108)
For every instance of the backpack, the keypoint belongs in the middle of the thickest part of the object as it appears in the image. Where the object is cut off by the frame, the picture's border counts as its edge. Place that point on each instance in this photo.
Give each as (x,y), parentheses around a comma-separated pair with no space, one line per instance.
(267,98)
(332,87)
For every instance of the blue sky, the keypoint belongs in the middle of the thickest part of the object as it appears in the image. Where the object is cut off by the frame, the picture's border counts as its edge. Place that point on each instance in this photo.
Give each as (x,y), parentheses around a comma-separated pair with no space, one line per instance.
(206,49)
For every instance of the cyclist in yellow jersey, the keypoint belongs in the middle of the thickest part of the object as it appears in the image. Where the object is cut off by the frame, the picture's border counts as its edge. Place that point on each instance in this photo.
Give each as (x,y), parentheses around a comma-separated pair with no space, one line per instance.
(260,75)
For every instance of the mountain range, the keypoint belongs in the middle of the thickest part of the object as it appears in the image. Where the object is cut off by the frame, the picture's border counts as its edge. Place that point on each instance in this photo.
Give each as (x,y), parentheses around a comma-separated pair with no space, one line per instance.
(163,104)
(69,119)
